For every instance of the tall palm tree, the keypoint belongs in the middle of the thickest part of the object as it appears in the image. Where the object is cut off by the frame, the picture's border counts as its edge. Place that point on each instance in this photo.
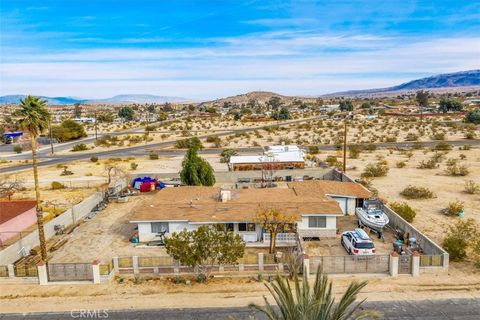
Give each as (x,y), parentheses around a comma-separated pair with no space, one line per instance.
(34,118)
(318,304)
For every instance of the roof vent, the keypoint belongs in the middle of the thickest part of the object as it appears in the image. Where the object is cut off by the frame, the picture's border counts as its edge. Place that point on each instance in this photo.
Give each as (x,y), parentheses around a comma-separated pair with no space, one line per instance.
(225,195)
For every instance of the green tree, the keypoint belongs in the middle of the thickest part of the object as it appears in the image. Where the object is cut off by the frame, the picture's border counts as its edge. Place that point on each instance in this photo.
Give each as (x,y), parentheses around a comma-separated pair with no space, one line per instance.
(227,154)
(283,114)
(446,105)
(275,103)
(196,171)
(105,117)
(317,303)
(473,116)
(167,107)
(68,130)
(126,113)
(34,118)
(366,105)
(346,105)
(205,247)
(422,98)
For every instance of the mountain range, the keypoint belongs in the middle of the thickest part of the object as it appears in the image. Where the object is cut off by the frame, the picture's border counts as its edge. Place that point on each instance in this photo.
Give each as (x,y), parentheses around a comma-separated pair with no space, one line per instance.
(123,98)
(457,80)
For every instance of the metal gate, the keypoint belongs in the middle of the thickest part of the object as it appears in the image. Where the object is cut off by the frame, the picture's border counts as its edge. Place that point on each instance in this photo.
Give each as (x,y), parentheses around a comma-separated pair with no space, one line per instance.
(405,264)
(70,272)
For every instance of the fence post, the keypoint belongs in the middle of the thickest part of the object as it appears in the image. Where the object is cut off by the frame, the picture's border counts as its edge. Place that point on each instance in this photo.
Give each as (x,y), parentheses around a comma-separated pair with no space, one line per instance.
(445,261)
(393,267)
(135,264)
(415,264)
(11,271)
(306,264)
(42,273)
(260,261)
(96,271)
(115,264)
(241,267)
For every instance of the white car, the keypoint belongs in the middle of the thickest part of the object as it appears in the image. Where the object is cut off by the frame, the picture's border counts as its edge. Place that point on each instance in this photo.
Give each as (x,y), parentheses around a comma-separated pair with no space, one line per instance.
(357,242)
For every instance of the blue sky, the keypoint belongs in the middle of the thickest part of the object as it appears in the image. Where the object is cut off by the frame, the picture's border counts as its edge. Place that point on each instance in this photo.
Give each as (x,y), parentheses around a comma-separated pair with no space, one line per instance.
(209,49)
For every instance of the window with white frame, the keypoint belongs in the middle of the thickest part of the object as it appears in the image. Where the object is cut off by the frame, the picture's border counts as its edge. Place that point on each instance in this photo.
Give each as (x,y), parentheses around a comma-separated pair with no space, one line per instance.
(246,227)
(159,227)
(317,222)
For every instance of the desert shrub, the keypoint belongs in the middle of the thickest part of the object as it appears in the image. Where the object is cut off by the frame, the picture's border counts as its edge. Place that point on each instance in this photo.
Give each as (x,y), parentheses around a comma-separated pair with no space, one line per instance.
(456,247)
(217,142)
(332,161)
(429,164)
(454,208)
(313,150)
(68,130)
(79,147)
(470,135)
(471,187)
(438,136)
(354,151)
(153,156)
(411,137)
(379,169)
(57,185)
(414,192)
(391,139)
(443,146)
(94,159)
(460,236)
(400,164)
(133,166)
(462,156)
(403,210)
(465,147)
(456,170)
(17,148)
(417,145)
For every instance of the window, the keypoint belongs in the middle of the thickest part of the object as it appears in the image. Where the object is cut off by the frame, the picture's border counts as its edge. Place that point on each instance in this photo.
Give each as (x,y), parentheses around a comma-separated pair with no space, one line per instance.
(317,222)
(246,227)
(229,226)
(158,227)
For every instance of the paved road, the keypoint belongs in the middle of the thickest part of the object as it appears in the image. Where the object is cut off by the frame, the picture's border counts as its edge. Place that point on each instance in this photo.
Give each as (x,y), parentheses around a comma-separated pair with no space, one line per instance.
(465,309)
(141,150)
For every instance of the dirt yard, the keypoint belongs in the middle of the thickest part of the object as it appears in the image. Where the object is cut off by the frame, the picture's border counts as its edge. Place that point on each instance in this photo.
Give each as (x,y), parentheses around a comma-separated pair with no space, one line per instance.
(105,236)
(333,247)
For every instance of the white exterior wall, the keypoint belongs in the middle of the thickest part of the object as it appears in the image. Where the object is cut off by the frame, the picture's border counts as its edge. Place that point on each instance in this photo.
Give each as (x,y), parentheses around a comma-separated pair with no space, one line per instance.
(331,224)
(346,204)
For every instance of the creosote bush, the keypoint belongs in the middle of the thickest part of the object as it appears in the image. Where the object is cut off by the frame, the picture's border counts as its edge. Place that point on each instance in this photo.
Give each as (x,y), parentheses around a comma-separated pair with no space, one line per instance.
(79,147)
(414,192)
(471,187)
(404,210)
(94,159)
(153,156)
(454,208)
(379,169)
(57,185)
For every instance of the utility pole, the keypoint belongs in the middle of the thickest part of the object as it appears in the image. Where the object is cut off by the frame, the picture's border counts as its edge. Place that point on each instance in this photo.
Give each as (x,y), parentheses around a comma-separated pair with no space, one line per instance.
(50,134)
(345,146)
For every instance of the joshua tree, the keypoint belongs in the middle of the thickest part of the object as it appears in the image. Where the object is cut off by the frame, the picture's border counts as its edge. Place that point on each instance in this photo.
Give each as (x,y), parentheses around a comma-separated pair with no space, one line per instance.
(316,304)
(34,118)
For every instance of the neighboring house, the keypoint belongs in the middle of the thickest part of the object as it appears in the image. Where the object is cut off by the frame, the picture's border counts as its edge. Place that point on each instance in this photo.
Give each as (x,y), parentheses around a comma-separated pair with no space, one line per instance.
(329,107)
(16,216)
(349,195)
(315,206)
(84,120)
(274,157)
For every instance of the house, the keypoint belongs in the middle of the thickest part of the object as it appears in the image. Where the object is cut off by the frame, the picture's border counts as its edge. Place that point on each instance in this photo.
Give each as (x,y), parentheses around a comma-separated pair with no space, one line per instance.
(329,108)
(16,216)
(274,157)
(349,195)
(315,212)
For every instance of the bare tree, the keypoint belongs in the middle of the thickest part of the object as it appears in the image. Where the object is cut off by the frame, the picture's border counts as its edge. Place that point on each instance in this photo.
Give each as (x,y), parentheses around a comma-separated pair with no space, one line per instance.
(9,187)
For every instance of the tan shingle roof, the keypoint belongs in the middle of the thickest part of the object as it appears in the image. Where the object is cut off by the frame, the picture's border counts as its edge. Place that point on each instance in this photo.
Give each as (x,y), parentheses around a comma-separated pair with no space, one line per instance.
(202,204)
(349,189)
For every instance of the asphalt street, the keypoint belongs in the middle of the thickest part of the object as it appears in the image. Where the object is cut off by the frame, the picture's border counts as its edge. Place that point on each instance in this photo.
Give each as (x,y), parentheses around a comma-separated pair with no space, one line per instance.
(465,309)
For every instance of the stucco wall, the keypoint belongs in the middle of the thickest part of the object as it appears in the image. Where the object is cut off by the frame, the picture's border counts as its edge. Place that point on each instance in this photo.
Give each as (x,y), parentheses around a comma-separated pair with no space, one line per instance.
(329,231)
(9,228)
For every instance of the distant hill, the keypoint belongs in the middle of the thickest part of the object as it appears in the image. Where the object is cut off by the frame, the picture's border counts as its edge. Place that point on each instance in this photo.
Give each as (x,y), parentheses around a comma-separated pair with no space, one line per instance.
(139,98)
(462,79)
(260,96)
(124,98)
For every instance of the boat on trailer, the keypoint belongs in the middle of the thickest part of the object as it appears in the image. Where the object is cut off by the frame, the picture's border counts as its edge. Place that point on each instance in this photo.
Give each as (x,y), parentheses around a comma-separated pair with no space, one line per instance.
(372,215)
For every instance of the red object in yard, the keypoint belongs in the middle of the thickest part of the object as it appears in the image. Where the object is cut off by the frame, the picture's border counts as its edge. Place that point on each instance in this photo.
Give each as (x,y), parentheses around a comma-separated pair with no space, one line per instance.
(145,187)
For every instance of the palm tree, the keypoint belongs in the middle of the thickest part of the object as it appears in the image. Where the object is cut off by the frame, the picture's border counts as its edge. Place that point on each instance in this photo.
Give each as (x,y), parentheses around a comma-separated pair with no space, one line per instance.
(317,305)
(34,118)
